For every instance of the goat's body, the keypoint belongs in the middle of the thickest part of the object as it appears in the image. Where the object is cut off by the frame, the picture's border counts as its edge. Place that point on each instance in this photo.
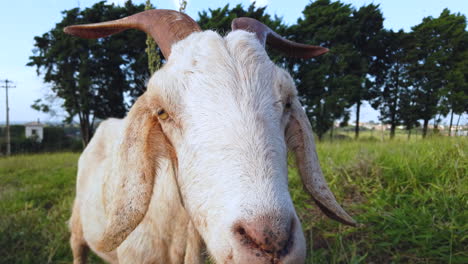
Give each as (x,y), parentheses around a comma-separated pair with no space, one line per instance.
(165,235)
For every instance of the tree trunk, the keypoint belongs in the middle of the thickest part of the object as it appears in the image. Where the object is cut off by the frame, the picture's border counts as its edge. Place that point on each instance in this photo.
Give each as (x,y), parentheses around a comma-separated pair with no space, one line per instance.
(450,126)
(435,129)
(392,125)
(409,134)
(86,130)
(84,134)
(356,128)
(458,122)
(320,136)
(424,132)
(331,131)
(382,130)
(392,130)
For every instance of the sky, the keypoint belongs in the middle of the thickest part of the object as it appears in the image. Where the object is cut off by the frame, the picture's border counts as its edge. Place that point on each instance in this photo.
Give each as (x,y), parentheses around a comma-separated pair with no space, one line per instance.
(20,21)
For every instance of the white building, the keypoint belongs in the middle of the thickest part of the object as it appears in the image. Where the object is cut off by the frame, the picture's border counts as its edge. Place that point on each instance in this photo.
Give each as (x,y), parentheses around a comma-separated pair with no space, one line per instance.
(35,129)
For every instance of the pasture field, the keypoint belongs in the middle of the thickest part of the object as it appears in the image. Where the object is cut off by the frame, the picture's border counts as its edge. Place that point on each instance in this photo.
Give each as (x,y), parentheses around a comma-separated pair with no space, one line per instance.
(410,198)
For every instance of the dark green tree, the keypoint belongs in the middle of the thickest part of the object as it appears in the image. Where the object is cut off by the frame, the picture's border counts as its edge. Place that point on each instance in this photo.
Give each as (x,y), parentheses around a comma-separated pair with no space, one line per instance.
(324,82)
(392,82)
(92,76)
(408,109)
(366,34)
(439,45)
(455,92)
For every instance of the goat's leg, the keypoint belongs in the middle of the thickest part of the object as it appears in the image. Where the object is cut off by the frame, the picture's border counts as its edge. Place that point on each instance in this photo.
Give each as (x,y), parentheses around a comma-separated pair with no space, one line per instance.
(79,249)
(78,244)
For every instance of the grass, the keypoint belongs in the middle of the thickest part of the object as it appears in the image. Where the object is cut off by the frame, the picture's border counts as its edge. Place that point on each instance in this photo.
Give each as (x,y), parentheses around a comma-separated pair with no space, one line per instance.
(36,193)
(410,198)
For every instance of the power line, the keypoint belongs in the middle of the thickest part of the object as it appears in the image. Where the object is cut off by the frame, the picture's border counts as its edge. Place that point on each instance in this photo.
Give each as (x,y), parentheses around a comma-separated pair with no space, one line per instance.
(7,86)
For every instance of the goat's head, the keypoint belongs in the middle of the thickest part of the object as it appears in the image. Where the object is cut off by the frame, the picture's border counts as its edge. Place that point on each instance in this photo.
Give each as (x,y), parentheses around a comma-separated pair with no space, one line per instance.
(226,116)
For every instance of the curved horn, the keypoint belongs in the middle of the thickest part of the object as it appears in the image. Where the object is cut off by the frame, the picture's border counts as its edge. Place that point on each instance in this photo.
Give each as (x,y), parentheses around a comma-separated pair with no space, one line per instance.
(301,141)
(165,26)
(267,35)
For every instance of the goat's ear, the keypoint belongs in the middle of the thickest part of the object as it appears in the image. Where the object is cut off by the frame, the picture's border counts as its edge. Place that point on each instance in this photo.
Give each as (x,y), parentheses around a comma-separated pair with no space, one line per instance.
(135,162)
(300,141)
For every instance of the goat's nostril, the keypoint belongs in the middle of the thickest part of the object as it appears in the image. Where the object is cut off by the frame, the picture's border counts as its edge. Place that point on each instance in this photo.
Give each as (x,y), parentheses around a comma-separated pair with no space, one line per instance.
(264,236)
(241,231)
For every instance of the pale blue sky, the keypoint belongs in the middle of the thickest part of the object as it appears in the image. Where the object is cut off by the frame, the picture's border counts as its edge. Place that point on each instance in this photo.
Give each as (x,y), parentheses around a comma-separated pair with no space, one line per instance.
(22,20)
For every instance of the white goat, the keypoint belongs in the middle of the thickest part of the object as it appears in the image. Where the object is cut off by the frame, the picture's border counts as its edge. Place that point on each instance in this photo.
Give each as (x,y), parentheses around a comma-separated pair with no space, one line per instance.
(200,163)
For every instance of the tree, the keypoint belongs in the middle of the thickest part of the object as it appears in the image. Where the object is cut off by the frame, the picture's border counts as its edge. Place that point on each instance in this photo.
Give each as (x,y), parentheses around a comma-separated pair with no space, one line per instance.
(392,83)
(408,109)
(455,93)
(324,82)
(92,76)
(439,45)
(368,24)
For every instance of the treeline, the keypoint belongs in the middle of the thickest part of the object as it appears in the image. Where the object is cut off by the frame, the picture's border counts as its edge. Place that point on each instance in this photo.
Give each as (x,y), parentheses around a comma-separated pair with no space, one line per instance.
(409,77)
(56,138)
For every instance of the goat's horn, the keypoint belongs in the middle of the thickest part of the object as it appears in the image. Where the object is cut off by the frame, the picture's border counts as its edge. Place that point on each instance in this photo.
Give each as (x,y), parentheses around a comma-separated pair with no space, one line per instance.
(301,141)
(267,35)
(165,26)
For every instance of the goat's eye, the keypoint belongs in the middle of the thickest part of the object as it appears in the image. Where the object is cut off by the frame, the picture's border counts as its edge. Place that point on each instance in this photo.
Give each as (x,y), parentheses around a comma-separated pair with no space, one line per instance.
(162,114)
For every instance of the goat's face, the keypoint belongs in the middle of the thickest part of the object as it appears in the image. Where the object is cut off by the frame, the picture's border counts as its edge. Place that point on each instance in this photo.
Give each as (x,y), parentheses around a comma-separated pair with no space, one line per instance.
(226,116)
(228,107)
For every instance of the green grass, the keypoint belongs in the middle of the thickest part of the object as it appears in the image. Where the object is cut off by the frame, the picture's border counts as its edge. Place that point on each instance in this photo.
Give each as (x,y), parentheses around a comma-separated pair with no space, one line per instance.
(410,198)
(36,194)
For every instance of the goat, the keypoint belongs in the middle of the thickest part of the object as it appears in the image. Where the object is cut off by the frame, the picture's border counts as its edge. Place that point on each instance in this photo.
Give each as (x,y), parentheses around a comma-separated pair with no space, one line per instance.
(200,161)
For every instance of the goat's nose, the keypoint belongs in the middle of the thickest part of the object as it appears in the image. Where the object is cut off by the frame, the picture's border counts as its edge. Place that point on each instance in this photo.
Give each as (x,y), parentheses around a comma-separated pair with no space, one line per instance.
(268,234)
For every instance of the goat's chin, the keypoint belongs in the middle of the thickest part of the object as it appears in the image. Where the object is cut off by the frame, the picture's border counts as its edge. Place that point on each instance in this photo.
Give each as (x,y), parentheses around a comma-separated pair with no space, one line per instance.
(296,256)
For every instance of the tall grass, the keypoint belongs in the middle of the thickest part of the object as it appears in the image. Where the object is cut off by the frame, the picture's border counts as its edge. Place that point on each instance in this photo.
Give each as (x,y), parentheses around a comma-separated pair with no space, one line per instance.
(410,199)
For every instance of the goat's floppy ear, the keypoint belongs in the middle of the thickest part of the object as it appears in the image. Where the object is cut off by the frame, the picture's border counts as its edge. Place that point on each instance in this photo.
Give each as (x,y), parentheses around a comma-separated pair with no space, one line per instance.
(136,160)
(300,140)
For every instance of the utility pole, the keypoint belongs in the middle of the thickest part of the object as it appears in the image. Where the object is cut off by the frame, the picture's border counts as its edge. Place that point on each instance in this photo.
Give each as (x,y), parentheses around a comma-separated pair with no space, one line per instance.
(8,146)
